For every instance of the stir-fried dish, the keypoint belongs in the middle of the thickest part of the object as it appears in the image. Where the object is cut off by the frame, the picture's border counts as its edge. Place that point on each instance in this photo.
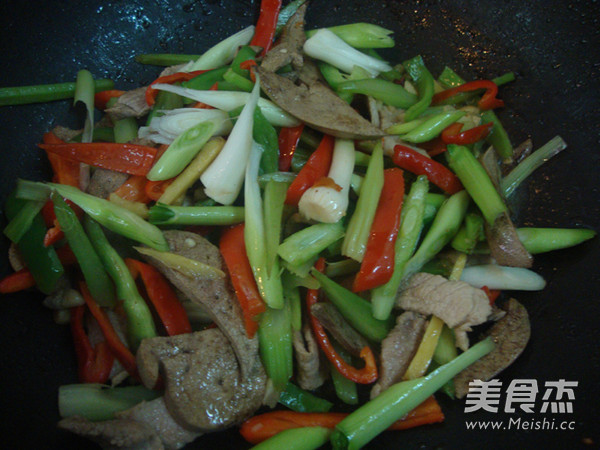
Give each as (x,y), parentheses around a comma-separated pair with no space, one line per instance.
(285,211)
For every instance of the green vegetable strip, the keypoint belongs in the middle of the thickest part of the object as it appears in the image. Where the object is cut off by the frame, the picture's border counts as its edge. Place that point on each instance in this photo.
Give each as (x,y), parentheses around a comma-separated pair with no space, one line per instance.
(469,234)
(540,240)
(345,389)
(404,127)
(22,95)
(279,177)
(98,281)
(181,151)
(100,402)
(161,214)
(299,400)
(361,35)
(293,301)
(286,12)
(445,351)
(275,193)
(432,126)
(442,230)
(205,80)
(386,91)
(103,134)
(265,136)
(245,53)
(42,261)
(242,83)
(305,244)
(332,75)
(21,222)
(498,138)
(125,130)
(84,93)
(529,164)
(304,438)
(360,427)
(359,226)
(355,309)
(449,78)
(140,324)
(114,217)
(275,344)
(165,59)
(164,101)
(340,268)
(424,80)
(411,224)
(503,79)
(476,181)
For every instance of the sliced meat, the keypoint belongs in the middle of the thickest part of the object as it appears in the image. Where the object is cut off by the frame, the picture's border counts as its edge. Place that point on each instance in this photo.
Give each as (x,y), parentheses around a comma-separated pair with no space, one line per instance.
(155,415)
(511,334)
(103,182)
(114,434)
(216,296)
(130,104)
(311,373)
(398,349)
(334,322)
(505,246)
(457,303)
(204,389)
(64,133)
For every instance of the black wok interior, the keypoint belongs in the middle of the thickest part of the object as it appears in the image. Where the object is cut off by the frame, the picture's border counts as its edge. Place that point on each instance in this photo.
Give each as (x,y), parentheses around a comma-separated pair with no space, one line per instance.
(552,46)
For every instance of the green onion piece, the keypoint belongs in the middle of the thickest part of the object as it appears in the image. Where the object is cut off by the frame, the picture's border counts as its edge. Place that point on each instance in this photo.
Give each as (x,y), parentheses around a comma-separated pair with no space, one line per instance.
(183,149)
(98,281)
(161,214)
(529,164)
(360,427)
(359,226)
(164,101)
(140,324)
(355,309)
(275,344)
(275,193)
(305,244)
(100,402)
(415,67)
(42,261)
(299,400)
(405,127)
(469,234)
(361,35)
(432,126)
(411,224)
(476,181)
(498,138)
(84,93)
(304,438)
(540,240)
(22,95)
(390,93)
(279,177)
(165,59)
(125,130)
(224,51)
(291,294)
(20,223)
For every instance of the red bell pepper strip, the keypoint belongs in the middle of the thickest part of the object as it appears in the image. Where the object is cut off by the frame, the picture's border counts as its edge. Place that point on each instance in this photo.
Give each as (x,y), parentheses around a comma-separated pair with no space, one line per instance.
(288,142)
(266,25)
(134,189)
(101,98)
(128,158)
(17,281)
(378,262)
(119,350)
(168,79)
(411,160)
(53,235)
(233,249)
(65,170)
(434,147)
(262,427)
(94,363)
(368,374)
(487,101)
(249,65)
(491,293)
(316,167)
(163,298)
(452,134)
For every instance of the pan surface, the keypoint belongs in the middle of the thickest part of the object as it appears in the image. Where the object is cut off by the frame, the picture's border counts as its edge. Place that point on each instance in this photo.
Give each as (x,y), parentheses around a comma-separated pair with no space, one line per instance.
(552,46)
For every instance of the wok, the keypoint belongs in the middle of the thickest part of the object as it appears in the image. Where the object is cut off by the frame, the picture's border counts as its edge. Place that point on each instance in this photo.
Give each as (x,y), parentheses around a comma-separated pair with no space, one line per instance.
(552,46)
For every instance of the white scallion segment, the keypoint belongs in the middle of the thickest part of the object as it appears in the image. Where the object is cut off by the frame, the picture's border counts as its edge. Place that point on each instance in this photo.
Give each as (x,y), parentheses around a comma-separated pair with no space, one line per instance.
(327,204)
(165,129)
(223,52)
(328,47)
(181,152)
(224,177)
(230,100)
(503,278)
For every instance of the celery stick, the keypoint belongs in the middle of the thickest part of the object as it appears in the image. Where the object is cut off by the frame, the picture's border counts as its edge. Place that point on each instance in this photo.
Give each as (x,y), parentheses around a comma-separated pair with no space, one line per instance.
(304,438)
(540,240)
(275,344)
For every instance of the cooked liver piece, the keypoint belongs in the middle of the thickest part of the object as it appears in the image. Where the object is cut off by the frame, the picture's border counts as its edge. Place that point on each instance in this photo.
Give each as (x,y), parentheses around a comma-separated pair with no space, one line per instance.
(511,334)
(504,243)
(310,373)
(114,434)
(103,182)
(334,322)
(398,349)
(204,390)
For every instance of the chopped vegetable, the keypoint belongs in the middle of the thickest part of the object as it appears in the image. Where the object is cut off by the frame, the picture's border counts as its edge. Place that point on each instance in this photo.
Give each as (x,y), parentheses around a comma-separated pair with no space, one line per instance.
(45,92)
